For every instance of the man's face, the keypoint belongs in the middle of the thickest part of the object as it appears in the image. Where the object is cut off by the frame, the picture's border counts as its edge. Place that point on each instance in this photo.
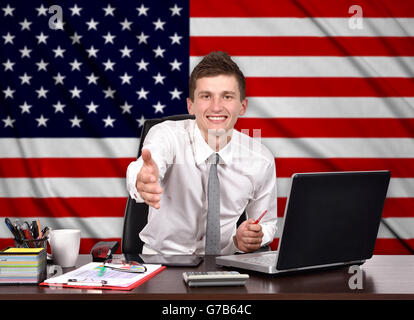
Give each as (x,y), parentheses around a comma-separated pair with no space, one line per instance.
(216,104)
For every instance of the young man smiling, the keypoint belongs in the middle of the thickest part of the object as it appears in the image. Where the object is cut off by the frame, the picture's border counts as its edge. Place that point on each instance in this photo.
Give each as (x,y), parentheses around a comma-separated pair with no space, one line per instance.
(172,174)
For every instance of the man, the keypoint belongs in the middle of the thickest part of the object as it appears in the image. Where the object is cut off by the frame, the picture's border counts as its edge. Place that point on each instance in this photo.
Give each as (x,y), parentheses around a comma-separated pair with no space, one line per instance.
(172,175)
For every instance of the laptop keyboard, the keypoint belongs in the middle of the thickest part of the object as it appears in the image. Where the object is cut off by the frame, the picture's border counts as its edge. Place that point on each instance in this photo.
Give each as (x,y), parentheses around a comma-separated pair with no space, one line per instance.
(267,259)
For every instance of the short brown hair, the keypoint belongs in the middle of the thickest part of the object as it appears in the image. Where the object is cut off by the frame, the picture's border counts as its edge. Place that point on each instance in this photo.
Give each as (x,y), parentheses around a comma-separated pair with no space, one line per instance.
(214,64)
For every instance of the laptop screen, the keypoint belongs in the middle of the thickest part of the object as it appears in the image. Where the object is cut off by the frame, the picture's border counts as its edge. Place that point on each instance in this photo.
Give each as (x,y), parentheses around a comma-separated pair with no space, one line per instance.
(332,218)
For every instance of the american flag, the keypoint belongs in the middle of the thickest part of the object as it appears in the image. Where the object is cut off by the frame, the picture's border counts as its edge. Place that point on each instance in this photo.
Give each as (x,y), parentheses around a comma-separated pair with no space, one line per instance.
(330,86)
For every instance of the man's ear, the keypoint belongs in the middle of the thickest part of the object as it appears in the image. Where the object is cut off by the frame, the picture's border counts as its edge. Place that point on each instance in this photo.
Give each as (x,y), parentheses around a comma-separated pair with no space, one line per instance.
(190,106)
(244,107)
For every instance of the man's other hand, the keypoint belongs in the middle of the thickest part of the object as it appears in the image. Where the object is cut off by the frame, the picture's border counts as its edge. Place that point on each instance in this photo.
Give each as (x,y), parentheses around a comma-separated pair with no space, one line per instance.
(147,181)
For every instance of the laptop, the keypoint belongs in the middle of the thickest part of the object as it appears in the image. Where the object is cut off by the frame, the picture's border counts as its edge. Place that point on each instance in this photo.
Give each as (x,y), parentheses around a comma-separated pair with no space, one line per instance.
(331,219)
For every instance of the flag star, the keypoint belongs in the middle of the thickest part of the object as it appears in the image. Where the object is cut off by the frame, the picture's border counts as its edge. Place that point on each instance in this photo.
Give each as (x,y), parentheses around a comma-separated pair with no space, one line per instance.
(142,94)
(8,38)
(76,38)
(159,52)
(25,24)
(126,52)
(41,11)
(126,108)
(25,108)
(142,38)
(25,79)
(59,78)
(159,78)
(75,92)
(109,93)
(175,65)
(92,24)
(175,10)
(126,24)
(59,52)
(8,65)
(75,65)
(92,79)
(25,52)
(142,10)
(92,107)
(41,93)
(8,93)
(75,122)
(42,121)
(175,94)
(126,78)
(59,107)
(159,107)
(159,24)
(109,38)
(142,65)
(109,65)
(75,10)
(92,52)
(175,38)
(8,122)
(59,25)
(8,11)
(109,10)
(41,65)
(141,121)
(109,121)
(41,38)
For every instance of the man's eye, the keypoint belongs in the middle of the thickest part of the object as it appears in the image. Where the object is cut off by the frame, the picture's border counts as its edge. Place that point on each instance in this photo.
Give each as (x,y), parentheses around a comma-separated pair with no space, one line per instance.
(228,97)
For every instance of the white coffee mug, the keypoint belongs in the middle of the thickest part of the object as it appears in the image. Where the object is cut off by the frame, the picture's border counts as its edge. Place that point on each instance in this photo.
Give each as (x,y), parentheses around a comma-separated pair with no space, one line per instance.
(64,244)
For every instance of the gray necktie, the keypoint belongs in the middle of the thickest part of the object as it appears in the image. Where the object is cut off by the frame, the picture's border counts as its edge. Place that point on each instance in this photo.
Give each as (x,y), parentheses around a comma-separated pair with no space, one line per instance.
(213,215)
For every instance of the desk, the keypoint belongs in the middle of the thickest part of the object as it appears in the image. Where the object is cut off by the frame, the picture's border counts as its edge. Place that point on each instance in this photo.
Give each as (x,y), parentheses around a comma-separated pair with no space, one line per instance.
(384,277)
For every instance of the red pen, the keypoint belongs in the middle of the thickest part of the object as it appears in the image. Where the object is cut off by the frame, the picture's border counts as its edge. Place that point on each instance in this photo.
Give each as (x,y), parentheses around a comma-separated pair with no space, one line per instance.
(260,218)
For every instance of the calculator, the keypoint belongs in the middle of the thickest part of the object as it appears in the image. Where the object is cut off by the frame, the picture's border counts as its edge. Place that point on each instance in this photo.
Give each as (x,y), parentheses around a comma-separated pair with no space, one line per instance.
(215,278)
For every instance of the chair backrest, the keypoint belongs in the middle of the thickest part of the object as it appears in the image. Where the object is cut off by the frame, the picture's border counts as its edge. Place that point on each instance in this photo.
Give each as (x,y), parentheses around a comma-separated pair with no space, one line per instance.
(136,214)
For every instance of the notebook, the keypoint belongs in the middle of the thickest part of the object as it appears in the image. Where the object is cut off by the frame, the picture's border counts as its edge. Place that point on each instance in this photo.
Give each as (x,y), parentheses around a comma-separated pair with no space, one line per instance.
(331,219)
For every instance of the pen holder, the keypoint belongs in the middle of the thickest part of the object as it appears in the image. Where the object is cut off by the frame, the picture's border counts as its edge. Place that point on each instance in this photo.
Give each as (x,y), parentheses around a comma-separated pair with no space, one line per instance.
(33,243)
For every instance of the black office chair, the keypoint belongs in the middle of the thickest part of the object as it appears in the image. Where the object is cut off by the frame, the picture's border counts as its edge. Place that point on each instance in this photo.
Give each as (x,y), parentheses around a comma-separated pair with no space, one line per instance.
(136,214)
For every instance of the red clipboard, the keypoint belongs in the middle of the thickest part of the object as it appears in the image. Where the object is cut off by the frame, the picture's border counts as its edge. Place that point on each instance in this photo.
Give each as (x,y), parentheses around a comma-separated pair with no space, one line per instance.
(106,287)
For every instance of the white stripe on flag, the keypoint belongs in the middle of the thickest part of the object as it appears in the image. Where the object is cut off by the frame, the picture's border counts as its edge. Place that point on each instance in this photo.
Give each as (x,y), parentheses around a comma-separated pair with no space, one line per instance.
(359,67)
(323,107)
(69,148)
(305,27)
(280,147)
(340,147)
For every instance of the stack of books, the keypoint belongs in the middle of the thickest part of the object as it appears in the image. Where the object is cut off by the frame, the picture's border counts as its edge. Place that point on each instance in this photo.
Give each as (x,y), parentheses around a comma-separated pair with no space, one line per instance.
(22,265)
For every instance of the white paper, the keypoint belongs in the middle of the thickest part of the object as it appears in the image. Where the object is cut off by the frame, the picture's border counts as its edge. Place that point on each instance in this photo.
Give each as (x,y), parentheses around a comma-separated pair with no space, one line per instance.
(89,275)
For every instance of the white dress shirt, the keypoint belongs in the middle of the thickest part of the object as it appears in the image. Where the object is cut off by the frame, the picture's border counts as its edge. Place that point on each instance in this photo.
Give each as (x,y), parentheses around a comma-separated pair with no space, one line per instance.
(247,175)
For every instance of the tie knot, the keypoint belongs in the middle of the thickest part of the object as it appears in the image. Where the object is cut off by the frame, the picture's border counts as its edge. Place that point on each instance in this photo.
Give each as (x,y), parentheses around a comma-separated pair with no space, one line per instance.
(216,158)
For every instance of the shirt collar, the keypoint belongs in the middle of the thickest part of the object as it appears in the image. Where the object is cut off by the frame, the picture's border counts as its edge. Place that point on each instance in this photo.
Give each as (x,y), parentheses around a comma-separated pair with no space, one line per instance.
(203,151)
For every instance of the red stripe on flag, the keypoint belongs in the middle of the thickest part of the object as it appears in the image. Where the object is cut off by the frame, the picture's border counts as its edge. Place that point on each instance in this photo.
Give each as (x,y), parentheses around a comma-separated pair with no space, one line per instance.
(303,46)
(399,167)
(329,87)
(299,8)
(41,168)
(393,207)
(392,246)
(62,207)
(63,167)
(328,127)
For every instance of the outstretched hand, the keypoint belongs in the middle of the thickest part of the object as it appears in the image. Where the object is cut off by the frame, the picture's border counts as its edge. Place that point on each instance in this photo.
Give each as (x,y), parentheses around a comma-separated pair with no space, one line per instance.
(147,181)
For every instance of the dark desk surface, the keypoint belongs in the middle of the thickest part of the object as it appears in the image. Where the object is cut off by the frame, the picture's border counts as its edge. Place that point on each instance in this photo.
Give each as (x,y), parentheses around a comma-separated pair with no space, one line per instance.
(384,277)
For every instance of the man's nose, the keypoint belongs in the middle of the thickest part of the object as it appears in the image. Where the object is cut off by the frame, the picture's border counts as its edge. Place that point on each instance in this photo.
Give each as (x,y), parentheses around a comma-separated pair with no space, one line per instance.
(216,104)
